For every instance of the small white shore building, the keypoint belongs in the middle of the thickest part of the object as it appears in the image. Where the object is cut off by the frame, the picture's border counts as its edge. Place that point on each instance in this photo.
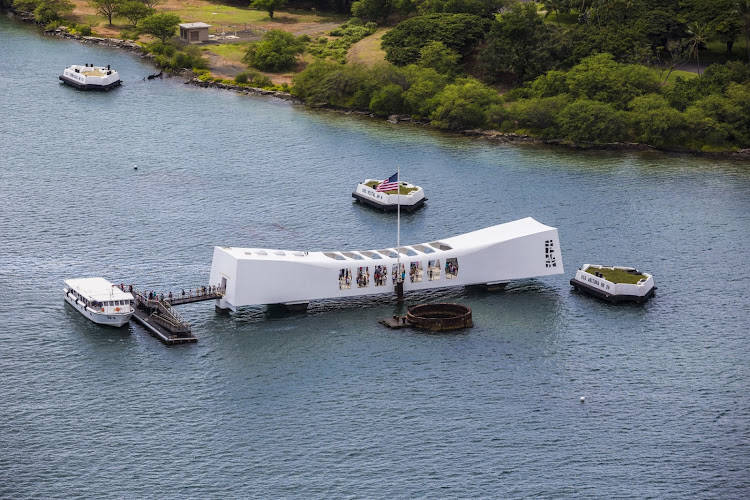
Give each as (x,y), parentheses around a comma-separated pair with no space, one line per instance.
(194,32)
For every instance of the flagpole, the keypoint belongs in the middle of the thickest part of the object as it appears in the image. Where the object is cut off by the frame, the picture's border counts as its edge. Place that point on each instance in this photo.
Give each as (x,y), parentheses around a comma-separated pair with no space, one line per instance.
(398,219)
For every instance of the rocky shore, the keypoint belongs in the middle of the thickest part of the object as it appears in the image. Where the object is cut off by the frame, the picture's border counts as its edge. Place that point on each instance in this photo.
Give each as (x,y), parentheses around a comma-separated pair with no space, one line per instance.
(492,135)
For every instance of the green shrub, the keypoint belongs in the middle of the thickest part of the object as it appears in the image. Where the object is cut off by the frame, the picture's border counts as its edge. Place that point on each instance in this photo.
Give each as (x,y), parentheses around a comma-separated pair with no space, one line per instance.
(458,32)
(168,56)
(586,121)
(277,51)
(81,29)
(161,48)
(465,104)
(537,115)
(130,33)
(241,78)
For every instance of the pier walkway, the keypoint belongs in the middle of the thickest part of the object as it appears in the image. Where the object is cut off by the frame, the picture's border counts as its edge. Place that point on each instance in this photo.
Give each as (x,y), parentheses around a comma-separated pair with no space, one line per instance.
(157,314)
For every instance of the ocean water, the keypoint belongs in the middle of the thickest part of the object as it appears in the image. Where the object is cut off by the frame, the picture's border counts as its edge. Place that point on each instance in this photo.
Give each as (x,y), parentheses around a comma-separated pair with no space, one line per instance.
(329,403)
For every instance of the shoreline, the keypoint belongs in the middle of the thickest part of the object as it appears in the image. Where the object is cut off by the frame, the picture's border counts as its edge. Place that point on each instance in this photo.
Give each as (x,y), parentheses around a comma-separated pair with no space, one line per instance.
(491,135)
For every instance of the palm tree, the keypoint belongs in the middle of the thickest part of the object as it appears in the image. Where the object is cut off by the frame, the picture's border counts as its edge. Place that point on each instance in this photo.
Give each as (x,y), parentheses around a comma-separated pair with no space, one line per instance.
(698,37)
(556,6)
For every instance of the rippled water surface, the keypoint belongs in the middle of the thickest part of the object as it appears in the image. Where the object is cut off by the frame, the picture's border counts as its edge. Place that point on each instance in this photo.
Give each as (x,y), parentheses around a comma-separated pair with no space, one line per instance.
(329,403)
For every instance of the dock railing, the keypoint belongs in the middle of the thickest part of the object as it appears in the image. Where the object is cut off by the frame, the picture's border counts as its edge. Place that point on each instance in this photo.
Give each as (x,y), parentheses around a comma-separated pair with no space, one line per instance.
(161,311)
(170,318)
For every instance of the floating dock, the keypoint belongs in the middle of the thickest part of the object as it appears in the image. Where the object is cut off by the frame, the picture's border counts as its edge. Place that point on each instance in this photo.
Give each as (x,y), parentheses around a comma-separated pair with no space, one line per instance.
(162,321)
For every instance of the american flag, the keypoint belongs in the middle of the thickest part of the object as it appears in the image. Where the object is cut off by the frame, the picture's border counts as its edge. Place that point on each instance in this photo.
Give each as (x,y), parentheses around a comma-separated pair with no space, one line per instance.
(388,185)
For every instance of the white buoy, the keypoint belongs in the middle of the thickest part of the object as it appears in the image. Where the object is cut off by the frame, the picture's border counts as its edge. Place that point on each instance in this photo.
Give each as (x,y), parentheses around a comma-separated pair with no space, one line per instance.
(583,399)
(135,167)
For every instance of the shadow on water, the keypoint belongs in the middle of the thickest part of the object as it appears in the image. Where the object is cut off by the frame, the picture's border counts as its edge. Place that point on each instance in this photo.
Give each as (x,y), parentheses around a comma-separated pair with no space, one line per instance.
(100,334)
(541,296)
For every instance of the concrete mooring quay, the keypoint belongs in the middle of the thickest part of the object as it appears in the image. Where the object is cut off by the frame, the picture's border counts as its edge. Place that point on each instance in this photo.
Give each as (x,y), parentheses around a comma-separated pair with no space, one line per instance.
(157,314)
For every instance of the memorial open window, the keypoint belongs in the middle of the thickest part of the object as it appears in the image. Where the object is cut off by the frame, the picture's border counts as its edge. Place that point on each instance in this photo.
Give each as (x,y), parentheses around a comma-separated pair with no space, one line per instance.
(433,270)
(451,268)
(416,272)
(363,277)
(345,279)
(401,271)
(380,275)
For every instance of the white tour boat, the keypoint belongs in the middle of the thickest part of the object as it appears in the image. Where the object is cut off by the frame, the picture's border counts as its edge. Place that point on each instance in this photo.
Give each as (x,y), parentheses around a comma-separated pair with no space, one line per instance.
(90,77)
(492,256)
(614,283)
(99,300)
(411,197)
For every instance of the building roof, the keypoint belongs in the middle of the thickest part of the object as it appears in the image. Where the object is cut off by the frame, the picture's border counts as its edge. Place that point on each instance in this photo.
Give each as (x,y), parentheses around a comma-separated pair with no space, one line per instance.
(433,249)
(194,25)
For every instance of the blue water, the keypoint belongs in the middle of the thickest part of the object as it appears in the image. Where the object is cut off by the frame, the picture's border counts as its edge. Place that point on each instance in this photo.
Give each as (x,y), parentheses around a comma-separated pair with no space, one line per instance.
(329,403)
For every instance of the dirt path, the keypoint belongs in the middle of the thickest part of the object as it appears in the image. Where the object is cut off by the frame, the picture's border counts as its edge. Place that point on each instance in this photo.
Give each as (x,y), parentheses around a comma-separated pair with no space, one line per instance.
(222,67)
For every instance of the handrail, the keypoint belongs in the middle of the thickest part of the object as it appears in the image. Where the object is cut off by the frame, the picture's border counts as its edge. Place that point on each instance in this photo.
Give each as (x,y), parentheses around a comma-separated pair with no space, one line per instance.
(171,311)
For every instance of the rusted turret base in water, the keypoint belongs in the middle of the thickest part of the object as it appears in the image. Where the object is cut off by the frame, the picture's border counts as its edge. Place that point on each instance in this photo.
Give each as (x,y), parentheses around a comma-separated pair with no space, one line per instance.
(436,317)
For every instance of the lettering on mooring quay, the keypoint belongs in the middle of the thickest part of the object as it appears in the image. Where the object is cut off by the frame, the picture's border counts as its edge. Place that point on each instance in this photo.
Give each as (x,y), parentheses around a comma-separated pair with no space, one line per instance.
(598,283)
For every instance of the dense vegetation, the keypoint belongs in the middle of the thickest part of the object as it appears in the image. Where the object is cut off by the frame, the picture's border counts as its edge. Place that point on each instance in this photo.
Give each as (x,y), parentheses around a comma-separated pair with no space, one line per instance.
(604,77)
(584,71)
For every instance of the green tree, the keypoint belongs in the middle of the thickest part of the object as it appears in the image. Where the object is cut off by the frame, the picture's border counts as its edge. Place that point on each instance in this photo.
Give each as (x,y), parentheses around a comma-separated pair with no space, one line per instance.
(483,8)
(585,121)
(277,51)
(538,115)
(743,12)
(622,41)
(655,122)
(45,11)
(459,32)
(719,16)
(706,130)
(423,85)
(134,11)
(162,26)
(372,10)
(600,78)
(521,47)
(439,57)
(388,100)
(466,104)
(556,6)
(269,6)
(107,8)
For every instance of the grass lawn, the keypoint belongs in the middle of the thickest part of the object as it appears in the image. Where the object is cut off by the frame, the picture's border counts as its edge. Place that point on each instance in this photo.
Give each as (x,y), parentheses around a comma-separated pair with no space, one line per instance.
(717,52)
(566,20)
(617,275)
(687,75)
(231,51)
(216,14)
(367,51)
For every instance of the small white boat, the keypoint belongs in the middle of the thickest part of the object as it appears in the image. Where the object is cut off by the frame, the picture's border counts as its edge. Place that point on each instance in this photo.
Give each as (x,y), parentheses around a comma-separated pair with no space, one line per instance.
(614,283)
(90,77)
(410,199)
(99,300)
